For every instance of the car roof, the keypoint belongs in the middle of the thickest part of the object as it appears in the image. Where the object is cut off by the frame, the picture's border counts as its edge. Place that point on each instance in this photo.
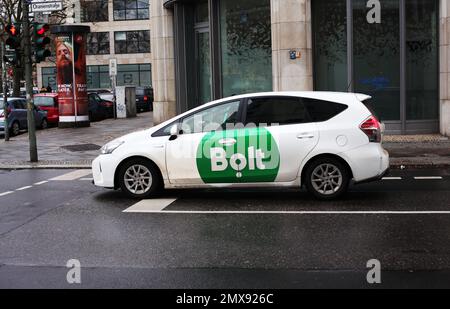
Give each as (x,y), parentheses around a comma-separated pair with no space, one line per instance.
(338,97)
(13,98)
(49,94)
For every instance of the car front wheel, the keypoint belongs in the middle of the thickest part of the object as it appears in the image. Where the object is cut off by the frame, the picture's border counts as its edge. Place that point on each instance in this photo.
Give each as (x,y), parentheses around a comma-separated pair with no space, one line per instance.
(139,178)
(44,124)
(327,178)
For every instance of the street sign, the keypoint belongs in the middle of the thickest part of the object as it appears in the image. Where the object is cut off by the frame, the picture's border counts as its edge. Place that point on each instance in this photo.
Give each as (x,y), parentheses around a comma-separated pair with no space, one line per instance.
(112,67)
(46,6)
(41,18)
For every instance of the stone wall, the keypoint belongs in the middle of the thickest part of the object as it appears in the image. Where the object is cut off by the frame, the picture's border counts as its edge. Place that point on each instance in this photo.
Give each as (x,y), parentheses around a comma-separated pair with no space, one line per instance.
(291,30)
(445,66)
(163,62)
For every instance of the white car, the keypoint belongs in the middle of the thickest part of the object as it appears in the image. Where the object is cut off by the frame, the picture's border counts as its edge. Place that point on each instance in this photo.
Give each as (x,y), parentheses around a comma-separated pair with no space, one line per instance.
(321,140)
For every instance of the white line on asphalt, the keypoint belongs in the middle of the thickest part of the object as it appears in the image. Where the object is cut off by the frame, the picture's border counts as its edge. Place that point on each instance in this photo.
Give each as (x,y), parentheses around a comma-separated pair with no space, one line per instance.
(6,193)
(427,177)
(24,188)
(40,183)
(392,178)
(73,175)
(153,205)
(296,212)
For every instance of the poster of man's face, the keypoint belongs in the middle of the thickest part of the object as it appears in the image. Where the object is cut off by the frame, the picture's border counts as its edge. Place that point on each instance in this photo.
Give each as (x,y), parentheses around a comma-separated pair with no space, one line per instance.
(64,63)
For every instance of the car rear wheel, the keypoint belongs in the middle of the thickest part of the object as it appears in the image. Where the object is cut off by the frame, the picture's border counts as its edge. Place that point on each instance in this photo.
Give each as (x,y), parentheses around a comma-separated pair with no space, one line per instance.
(327,178)
(15,128)
(44,124)
(139,178)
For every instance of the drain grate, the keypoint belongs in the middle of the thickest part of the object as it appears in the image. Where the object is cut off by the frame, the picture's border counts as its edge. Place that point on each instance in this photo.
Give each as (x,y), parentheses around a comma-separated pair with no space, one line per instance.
(82,147)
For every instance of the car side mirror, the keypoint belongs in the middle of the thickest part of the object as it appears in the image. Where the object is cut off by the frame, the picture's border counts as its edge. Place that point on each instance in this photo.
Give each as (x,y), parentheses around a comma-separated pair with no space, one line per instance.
(174,131)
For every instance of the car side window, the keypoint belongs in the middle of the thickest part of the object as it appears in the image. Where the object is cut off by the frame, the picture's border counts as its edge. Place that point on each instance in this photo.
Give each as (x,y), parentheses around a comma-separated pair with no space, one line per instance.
(272,111)
(320,110)
(216,118)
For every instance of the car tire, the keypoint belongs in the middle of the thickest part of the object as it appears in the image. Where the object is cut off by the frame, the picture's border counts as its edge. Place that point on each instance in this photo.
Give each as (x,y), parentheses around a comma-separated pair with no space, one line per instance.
(44,124)
(15,128)
(327,178)
(139,178)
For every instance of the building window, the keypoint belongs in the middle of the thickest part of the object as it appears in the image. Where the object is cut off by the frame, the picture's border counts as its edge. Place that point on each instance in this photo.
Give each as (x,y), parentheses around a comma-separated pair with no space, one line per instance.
(130,42)
(98,76)
(131,9)
(97,43)
(134,75)
(94,10)
(246,48)
(49,77)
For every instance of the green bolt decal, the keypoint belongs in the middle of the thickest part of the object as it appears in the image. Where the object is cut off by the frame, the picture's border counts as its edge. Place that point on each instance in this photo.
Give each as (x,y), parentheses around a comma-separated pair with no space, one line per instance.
(238,156)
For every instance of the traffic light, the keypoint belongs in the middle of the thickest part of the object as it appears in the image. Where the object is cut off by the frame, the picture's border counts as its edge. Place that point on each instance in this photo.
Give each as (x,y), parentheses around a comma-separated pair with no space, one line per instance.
(40,42)
(12,39)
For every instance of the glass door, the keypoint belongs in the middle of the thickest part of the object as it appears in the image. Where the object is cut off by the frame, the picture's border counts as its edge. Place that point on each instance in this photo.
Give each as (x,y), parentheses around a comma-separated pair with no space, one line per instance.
(203,63)
(376,57)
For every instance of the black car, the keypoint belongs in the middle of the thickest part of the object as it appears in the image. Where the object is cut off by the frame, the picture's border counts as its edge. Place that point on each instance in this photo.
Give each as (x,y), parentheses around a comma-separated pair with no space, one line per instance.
(98,108)
(144,99)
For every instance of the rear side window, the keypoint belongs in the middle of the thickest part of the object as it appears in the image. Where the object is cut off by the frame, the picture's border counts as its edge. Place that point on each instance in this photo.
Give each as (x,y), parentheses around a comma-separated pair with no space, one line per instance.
(276,111)
(18,104)
(320,110)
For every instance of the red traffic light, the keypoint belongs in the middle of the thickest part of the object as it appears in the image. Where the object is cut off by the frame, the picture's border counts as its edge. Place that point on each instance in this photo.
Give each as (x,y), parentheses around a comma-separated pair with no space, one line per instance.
(41,29)
(11,29)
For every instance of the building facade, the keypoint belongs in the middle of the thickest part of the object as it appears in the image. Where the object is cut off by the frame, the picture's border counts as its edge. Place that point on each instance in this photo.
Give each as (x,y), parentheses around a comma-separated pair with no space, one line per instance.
(120,29)
(395,50)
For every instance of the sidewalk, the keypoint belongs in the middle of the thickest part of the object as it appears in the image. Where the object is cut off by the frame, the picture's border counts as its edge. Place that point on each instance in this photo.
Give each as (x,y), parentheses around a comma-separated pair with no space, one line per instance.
(76,148)
(68,148)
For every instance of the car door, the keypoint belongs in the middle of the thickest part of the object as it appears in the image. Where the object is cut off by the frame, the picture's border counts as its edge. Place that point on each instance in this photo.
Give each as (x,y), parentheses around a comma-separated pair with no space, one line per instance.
(187,156)
(20,112)
(286,133)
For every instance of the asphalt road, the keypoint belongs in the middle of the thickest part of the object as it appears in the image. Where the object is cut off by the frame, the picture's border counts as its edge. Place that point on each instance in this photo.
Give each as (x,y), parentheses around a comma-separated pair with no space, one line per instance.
(252,238)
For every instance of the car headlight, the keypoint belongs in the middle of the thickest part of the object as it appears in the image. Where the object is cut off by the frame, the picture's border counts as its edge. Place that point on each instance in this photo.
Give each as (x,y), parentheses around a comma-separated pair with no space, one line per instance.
(110,147)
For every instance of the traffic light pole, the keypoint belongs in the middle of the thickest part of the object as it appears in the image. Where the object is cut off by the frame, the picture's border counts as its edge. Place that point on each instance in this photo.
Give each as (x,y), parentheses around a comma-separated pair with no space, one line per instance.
(5,91)
(29,83)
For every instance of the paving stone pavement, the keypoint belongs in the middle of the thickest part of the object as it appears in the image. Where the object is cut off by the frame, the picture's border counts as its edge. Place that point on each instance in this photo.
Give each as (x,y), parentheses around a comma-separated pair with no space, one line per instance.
(413,151)
(15,153)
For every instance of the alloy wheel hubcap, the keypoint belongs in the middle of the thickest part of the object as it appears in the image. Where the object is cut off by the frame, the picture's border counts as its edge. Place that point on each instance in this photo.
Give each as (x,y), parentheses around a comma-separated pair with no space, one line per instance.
(16,129)
(138,179)
(326,179)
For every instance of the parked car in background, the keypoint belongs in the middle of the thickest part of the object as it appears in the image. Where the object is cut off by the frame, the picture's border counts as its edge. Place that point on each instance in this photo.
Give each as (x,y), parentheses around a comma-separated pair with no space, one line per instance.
(105,94)
(49,103)
(144,99)
(98,108)
(17,116)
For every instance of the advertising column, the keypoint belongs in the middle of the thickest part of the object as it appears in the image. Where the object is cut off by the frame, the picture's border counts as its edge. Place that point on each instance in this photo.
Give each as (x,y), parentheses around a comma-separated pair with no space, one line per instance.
(70,43)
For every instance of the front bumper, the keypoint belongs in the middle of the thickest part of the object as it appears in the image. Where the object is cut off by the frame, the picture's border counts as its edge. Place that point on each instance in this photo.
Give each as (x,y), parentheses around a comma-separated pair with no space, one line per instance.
(103,171)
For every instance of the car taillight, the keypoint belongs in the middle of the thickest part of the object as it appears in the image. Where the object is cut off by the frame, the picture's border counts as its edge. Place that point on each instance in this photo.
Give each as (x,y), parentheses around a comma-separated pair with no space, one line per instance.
(145,98)
(371,127)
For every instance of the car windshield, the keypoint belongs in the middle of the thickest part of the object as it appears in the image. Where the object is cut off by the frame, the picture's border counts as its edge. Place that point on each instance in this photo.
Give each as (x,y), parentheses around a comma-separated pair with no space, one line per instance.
(44,101)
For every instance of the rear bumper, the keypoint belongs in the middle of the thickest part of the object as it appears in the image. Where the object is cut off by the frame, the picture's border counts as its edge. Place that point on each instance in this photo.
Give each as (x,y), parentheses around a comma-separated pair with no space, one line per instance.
(368,163)
(376,178)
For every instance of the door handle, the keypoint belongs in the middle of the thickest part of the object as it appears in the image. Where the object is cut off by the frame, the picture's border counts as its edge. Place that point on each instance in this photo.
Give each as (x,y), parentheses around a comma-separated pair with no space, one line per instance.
(227,141)
(305,135)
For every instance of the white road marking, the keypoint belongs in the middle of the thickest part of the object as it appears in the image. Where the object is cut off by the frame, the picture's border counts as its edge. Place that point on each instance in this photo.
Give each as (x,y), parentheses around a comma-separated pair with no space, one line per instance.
(153,205)
(40,183)
(427,177)
(24,188)
(378,212)
(73,175)
(6,193)
(392,178)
